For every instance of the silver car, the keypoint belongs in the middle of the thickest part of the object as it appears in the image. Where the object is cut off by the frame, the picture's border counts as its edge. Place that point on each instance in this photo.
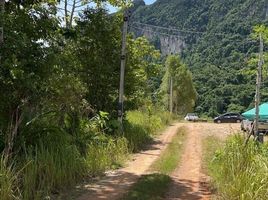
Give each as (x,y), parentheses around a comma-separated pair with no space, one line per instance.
(191,117)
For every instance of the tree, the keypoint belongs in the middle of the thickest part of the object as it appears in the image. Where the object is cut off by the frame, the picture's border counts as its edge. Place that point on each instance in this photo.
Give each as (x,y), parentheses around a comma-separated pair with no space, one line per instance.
(71,8)
(142,72)
(184,94)
(26,58)
(97,49)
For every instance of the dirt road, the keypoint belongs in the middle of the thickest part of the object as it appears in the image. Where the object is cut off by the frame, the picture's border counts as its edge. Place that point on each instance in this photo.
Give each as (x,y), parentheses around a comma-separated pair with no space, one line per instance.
(117,183)
(187,178)
(189,183)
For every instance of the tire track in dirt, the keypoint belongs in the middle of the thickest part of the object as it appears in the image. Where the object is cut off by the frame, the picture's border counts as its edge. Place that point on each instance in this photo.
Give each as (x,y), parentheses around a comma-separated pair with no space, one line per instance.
(189,183)
(115,184)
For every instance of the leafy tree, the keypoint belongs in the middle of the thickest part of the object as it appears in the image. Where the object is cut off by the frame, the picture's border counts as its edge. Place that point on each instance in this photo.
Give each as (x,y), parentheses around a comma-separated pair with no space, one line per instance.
(142,72)
(184,94)
(97,49)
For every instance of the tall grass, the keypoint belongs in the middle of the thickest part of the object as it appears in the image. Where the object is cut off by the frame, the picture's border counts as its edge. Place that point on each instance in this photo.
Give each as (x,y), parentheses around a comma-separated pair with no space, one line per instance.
(103,155)
(141,126)
(241,172)
(50,168)
(8,181)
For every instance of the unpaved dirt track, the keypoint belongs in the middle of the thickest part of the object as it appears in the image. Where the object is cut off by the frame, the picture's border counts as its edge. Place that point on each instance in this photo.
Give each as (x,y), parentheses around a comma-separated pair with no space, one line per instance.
(188,181)
(117,183)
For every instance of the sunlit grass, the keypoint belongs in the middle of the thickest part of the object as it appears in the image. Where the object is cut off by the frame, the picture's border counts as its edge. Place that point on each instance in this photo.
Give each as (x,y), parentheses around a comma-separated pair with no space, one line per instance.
(169,159)
(239,171)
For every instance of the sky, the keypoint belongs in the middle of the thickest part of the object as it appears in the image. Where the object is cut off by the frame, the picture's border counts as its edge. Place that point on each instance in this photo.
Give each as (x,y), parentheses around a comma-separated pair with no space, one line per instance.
(113,9)
(149,1)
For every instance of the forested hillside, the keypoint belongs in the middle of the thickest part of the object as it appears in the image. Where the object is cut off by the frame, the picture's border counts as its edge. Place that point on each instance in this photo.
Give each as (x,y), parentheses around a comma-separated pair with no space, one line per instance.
(218,45)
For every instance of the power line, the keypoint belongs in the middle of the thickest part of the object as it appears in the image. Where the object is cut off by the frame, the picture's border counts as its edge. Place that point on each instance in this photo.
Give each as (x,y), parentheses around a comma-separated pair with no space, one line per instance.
(151,31)
(179,36)
(169,29)
(180,30)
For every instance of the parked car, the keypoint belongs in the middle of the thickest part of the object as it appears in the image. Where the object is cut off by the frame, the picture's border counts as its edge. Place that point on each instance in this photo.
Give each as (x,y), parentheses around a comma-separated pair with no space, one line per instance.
(229,118)
(191,117)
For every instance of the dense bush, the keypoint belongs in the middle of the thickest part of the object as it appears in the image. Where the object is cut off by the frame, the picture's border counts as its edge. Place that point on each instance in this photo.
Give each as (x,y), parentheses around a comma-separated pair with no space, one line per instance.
(239,171)
(55,158)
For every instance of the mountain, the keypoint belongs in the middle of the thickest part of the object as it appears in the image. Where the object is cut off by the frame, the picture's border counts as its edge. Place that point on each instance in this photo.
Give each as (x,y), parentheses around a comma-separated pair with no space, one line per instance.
(214,38)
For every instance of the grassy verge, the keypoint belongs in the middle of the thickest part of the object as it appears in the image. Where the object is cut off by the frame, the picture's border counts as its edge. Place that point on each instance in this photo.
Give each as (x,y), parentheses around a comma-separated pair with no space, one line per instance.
(155,186)
(141,127)
(169,159)
(239,171)
(211,145)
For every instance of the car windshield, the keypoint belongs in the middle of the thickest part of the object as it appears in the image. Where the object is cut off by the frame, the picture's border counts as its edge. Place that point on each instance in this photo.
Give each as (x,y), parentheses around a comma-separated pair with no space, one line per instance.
(191,114)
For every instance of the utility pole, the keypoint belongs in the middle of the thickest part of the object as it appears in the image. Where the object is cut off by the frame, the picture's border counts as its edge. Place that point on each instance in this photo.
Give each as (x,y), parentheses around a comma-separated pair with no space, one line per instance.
(171,96)
(123,66)
(257,96)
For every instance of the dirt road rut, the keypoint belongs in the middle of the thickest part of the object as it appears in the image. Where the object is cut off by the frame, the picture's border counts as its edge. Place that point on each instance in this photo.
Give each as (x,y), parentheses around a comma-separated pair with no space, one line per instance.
(188,181)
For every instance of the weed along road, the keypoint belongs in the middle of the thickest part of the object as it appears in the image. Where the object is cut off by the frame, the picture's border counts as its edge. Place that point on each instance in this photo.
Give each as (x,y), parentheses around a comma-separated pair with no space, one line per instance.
(188,180)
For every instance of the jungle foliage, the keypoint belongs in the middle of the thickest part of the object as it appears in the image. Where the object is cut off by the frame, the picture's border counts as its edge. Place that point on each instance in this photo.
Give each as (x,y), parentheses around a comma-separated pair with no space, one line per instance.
(219,47)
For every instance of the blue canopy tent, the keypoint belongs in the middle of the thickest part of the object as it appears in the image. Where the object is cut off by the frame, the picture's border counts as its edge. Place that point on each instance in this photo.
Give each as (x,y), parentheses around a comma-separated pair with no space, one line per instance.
(250,115)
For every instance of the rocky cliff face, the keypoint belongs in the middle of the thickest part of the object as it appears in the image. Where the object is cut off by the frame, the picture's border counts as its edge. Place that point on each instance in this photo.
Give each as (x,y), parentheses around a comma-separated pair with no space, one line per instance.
(166,43)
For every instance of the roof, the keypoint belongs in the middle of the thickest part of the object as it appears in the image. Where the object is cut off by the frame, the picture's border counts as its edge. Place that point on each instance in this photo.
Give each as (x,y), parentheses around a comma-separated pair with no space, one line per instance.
(263,112)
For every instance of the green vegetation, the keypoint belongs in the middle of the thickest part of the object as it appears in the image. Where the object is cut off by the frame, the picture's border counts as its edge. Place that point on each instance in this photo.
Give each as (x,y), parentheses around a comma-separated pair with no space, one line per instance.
(8,181)
(169,159)
(184,95)
(55,162)
(217,57)
(211,145)
(149,187)
(239,171)
(142,126)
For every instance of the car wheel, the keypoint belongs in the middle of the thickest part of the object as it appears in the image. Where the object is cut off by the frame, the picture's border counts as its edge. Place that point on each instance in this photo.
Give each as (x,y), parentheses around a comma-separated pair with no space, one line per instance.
(218,121)
(238,121)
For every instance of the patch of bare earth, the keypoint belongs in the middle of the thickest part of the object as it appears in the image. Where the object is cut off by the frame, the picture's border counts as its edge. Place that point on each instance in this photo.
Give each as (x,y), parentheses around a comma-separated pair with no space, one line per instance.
(189,183)
(115,184)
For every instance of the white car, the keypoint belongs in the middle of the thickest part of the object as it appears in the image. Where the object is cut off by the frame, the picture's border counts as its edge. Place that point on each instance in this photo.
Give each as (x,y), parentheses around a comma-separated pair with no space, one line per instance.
(191,117)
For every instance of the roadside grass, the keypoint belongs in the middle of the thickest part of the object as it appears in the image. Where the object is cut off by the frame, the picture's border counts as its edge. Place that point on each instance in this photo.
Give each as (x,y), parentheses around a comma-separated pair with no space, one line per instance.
(8,181)
(240,172)
(155,186)
(211,145)
(169,159)
(142,126)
